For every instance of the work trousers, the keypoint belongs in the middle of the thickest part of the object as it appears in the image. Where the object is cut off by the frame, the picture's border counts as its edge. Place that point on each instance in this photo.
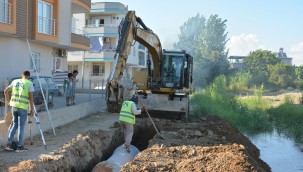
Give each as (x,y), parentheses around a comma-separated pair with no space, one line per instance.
(19,119)
(128,130)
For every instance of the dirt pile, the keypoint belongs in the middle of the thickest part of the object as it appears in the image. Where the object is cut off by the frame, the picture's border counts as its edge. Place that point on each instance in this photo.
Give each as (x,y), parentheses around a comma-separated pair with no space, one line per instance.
(207,144)
(78,146)
(80,154)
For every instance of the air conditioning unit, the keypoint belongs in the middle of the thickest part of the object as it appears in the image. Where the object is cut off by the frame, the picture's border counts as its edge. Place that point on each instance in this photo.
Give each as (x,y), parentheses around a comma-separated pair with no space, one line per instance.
(107,40)
(61,53)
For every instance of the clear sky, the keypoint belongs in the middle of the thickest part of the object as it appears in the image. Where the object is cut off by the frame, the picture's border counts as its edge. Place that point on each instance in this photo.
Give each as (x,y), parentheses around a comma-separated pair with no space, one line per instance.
(251,25)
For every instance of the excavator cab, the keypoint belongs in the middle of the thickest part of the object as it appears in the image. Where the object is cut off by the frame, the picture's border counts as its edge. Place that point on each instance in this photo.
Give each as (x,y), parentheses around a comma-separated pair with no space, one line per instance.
(176,72)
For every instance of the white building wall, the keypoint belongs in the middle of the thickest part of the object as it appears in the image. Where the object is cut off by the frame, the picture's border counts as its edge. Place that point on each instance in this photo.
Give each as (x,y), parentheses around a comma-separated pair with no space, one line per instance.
(65,22)
(110,19)
(133,58)
(15,59)
(79,21)
(75,56)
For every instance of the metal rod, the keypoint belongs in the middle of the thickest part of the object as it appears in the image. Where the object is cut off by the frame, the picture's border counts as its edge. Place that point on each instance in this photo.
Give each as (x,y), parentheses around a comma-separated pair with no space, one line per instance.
(45,103)
(89,92)
(149,115)
(39,126)
(29,121)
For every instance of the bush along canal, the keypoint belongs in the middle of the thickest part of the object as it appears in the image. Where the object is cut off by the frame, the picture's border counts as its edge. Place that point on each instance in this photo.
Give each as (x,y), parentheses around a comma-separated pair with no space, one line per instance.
(275,128)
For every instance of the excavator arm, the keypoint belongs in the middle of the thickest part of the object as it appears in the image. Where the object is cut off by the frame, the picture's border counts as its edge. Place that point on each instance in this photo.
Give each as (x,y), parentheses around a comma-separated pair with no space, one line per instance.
(131,29)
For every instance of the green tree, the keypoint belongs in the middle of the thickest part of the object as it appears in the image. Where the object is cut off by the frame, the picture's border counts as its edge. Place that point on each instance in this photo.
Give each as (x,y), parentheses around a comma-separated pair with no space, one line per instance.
(299,77)
(257,64)
(206,41)
(190,33)
(299,72)
(281,75)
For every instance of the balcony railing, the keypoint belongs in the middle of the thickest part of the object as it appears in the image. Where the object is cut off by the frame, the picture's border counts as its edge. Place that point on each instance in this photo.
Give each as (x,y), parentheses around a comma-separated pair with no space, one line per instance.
(101,25)
(6,13)
(47,26)
(79,32)
(97,74)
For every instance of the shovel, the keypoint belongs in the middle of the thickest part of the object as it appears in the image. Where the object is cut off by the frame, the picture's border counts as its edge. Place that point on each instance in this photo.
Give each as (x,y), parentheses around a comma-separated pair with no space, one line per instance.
(149,116)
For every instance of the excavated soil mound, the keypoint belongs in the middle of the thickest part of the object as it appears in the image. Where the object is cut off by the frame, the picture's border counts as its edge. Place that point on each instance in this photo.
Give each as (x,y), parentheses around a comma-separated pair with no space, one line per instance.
(76,155)
(207,144)
(193,158)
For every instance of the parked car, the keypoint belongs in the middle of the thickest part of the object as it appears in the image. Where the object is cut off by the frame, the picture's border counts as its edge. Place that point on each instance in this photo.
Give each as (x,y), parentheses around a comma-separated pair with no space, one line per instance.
(47,83)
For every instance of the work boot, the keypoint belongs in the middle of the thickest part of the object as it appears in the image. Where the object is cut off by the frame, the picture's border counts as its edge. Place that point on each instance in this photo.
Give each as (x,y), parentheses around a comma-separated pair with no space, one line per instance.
(126,147)
(21,149)
(8,147)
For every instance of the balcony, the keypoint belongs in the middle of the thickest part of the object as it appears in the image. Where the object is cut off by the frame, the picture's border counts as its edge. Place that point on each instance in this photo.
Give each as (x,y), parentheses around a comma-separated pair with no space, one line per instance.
(97,74)
(108,8)
(79,40)
(104,53)
(81,6)
(6,13)
(102,28)
(47,26)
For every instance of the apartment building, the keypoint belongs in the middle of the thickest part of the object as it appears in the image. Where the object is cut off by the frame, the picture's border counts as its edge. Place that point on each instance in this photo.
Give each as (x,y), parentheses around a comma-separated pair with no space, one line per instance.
(101,26)
(46,24)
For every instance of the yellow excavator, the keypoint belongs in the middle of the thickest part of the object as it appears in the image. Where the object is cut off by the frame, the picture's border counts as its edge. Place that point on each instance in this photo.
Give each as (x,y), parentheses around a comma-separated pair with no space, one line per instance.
(164,86)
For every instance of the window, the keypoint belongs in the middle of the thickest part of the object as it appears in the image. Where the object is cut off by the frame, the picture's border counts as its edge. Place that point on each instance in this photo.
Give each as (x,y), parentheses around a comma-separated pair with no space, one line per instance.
(101,21)
(98,70)
(141,47)
(95,22)
(71,68)
(134,50)
(36,58)
(5,11)
(141,58)
(45,18)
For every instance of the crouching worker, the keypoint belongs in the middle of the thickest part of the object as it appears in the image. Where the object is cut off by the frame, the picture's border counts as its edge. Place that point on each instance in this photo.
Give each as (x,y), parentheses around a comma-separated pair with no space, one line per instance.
(128,119)
(21,100)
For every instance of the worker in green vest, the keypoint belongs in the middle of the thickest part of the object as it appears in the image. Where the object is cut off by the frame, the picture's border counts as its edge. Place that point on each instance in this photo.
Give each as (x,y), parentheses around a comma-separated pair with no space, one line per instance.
(127,119)
(20,100)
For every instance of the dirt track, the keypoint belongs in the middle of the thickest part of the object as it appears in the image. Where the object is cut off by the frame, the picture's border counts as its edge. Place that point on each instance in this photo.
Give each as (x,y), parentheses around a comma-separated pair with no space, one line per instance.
(207,144)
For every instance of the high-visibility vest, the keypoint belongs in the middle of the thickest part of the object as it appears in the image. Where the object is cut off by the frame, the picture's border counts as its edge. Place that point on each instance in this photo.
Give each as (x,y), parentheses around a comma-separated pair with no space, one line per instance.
(20,94)
(126,114)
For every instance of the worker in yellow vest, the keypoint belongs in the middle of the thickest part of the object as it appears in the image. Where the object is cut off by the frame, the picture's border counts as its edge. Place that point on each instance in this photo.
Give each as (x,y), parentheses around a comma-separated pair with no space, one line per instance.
(21,99)
(127,119)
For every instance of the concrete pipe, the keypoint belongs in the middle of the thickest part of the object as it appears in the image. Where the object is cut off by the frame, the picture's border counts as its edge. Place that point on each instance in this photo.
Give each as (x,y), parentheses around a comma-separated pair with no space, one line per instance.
(117,160)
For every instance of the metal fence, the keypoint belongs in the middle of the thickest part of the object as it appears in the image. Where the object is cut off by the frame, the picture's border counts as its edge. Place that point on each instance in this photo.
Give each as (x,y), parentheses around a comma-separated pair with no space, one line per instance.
(89,89)
(3,85)
(47,25)
(86,91)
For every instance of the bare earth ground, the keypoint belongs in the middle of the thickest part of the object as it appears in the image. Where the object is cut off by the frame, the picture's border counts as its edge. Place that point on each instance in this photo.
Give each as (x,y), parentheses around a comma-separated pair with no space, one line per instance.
(279,97)
(66,134)
(206,144)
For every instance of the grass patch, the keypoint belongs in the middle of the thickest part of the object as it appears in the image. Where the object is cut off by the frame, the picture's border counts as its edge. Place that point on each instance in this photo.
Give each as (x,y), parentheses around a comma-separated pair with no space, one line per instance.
(288,119)
(215,100)
(250,114)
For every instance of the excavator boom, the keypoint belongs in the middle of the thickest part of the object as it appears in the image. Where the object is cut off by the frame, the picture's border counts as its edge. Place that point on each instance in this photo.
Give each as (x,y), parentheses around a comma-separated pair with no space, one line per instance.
(168,75)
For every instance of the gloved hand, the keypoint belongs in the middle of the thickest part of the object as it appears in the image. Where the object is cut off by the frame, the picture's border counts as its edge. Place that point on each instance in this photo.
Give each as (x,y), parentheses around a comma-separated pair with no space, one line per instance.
(143,109)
